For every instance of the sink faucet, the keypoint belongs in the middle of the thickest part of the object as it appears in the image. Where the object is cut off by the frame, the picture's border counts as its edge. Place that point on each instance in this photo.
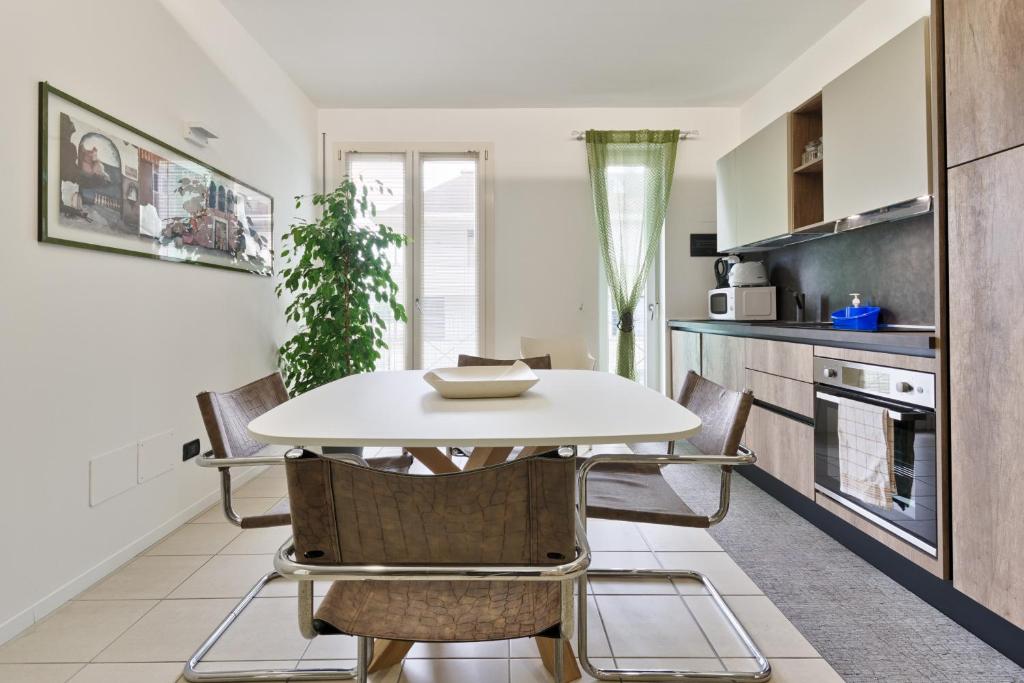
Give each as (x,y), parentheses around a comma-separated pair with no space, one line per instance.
(799,300)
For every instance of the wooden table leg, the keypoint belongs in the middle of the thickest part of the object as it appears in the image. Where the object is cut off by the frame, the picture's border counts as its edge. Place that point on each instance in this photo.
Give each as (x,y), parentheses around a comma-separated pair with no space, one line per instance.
(570,669)
(436,461)
(387,653)
(485,456)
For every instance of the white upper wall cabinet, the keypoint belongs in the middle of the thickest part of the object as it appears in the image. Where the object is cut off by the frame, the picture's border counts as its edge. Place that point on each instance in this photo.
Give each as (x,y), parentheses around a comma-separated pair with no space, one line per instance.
(753,188)
(727,195)
(876,128)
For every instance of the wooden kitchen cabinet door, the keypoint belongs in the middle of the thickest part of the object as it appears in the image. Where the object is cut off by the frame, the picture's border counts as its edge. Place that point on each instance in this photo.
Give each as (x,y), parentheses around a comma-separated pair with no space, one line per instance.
(986,326)
(784,448)
(685,350)
(723,360)
(984,77)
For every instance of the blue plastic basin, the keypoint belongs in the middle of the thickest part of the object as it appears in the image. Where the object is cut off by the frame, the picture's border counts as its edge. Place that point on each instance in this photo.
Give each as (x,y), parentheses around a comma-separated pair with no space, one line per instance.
(859,318)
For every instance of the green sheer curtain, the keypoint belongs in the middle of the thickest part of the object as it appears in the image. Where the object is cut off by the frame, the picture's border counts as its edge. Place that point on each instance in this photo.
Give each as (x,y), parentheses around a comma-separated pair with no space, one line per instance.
(631,176)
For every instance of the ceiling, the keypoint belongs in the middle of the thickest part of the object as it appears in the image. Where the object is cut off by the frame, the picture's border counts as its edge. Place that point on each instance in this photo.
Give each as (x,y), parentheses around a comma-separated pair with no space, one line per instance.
(535,53)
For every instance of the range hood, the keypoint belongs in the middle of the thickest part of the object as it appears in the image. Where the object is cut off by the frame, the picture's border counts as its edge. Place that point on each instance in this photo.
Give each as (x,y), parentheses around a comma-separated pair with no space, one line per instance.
(886,214)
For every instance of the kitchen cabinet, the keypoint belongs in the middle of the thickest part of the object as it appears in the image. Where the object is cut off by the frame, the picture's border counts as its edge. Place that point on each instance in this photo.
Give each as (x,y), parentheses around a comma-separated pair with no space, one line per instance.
(727,197)
(753,188)
(986,324)
(784,448)
(790,394)
(877,128)
(785,359)
(722,360)
(984,73)
(684,348)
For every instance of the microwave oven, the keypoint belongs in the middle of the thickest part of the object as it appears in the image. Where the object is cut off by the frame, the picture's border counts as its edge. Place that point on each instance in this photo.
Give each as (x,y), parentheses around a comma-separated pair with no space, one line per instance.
(742,303)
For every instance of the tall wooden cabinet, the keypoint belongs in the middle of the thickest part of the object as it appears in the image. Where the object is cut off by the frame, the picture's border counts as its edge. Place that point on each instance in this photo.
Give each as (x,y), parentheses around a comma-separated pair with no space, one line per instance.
(984,77)
(984,104)
(986,326)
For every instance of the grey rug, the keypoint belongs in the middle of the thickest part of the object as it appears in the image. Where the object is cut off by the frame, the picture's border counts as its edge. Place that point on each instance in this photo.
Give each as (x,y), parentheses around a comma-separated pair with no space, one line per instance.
(866,625)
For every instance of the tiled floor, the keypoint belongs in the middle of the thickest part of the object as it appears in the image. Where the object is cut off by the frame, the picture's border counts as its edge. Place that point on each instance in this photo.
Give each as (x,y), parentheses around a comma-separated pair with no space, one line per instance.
(140,624)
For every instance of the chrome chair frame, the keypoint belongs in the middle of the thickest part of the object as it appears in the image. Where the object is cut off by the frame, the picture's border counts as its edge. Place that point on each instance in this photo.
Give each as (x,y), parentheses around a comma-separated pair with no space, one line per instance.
(285,567)
(208,459)
(764,670)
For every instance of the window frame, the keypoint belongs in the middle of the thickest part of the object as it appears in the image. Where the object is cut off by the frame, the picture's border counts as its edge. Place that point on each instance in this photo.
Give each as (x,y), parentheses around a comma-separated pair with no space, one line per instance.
(414,220)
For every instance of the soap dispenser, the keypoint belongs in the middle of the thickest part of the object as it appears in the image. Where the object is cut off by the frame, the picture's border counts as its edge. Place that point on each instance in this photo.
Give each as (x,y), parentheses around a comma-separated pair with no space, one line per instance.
(856,317)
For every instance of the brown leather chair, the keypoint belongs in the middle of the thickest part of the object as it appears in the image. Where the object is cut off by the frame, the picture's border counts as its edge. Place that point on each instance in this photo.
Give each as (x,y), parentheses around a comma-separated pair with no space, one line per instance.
(226,416)
(535,363)
(487,554)
(631,487)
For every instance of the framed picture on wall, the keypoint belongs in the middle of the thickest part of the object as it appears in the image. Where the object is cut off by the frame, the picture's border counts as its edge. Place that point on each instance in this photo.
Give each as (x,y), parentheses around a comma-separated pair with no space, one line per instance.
(106,185)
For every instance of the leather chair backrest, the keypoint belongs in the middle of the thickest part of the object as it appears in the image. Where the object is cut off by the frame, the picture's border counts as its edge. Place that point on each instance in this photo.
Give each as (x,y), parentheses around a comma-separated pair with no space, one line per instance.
(723,413)
(227,415)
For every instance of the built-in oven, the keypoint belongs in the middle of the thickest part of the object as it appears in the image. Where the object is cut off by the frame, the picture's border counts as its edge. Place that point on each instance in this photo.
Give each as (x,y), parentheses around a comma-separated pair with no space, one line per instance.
(874,446)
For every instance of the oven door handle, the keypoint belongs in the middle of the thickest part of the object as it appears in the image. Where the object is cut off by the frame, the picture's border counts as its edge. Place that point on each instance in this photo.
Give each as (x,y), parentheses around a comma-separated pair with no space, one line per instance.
(897,415)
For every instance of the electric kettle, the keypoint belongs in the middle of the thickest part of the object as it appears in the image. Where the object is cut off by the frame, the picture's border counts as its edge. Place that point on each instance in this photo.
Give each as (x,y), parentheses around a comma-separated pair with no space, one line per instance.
(722,267)
(748,274)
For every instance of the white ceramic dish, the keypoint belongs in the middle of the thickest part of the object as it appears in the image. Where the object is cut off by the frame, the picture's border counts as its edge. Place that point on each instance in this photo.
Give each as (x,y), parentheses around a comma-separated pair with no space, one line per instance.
(484,381)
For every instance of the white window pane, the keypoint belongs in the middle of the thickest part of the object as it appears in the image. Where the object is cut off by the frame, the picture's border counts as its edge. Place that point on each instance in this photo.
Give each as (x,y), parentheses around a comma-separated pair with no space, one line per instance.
(449,253)
(366,169)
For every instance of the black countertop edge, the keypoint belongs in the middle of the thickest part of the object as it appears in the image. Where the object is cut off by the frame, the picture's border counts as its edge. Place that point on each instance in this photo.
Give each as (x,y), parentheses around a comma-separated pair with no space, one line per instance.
(903,342)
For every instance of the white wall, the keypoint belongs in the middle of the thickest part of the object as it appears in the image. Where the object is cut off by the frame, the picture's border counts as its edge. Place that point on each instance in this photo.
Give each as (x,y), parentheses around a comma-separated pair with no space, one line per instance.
(99,350)
(865,30)
(544,240)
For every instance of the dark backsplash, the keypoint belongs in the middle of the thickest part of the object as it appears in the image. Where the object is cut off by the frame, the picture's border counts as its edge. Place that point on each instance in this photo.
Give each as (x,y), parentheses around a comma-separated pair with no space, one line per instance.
(892,265)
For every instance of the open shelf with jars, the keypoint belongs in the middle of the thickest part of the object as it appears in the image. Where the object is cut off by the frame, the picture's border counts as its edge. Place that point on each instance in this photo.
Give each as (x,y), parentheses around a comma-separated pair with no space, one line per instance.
(806,160)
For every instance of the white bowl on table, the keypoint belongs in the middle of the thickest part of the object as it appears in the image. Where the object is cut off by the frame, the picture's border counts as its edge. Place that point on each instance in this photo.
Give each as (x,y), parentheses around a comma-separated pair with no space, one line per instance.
(482,381)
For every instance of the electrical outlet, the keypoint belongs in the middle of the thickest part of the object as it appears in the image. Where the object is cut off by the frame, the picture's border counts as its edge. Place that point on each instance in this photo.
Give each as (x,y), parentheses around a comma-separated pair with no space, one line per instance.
(190,450)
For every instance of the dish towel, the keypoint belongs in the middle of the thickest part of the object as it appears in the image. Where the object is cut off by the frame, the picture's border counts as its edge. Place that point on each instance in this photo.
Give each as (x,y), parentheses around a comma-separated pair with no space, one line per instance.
(866,453)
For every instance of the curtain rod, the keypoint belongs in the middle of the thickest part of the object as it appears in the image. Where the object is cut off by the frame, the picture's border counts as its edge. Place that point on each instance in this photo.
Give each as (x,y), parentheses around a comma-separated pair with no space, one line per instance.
(683,134)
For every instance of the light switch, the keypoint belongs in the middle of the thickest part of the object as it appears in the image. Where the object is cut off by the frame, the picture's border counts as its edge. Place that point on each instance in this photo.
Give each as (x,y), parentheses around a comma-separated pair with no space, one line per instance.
(157,454)
(112,473)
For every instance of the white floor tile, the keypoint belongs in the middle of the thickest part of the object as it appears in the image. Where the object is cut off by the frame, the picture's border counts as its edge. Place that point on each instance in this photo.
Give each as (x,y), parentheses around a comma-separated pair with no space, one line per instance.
(605,534)
(146,577)
(533,671)
(387,676)
(724,573)
(697,664)
(455,671)
(492,649)
(627,560)
(76,632)
(225,576)
(769,628)
(166,672)
(196,539)
(38,673)
(651,626)
(791,670)
(267,629)
(677,538)
(271,485)
(330,647)
(597,642)
(243,506)
(258,541)
(171,632)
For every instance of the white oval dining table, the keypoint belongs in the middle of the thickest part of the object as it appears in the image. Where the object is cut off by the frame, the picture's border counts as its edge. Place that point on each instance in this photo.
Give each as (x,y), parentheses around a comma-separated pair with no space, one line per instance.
(399,408)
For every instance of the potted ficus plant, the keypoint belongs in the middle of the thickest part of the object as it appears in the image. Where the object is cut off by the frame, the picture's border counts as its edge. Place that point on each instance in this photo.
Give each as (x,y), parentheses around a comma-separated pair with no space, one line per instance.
(337,269)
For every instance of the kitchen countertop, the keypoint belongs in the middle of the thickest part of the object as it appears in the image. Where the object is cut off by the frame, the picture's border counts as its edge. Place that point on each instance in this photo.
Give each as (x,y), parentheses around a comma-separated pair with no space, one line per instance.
(909,342)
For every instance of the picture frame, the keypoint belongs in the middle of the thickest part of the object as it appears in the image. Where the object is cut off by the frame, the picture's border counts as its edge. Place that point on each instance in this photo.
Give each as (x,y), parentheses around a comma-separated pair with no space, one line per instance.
(108,186)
